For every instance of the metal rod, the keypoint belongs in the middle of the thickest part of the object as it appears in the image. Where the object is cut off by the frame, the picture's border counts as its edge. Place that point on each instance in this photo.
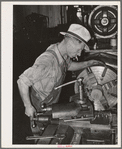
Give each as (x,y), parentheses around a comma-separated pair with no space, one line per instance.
(58,136)
(98,51)
(113,137)
(39,137)
(80,89)
(65,84)
(104,72)
(78,119)
(100,141)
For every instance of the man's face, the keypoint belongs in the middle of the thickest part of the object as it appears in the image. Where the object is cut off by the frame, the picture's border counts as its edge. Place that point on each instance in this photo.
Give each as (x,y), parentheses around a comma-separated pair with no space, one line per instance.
(75,47)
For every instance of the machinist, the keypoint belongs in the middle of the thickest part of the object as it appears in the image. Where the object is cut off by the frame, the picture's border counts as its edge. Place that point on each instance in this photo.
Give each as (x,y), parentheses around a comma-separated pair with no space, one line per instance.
(36,84)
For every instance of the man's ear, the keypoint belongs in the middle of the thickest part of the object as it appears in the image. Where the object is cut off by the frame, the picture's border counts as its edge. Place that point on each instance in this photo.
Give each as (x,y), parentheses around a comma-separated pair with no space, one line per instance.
(72,42)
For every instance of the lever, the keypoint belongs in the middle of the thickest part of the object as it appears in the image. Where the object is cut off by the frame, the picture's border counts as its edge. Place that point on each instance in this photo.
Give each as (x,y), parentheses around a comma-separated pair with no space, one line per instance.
(57,136)
(65,84)
(80,87)
(104,71)
(80,81)
(33,125)
(68,83)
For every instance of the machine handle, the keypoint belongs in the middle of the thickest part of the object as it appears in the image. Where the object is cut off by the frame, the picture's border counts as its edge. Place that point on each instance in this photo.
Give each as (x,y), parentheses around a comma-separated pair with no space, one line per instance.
(79,79)
(65,84)
(57,136)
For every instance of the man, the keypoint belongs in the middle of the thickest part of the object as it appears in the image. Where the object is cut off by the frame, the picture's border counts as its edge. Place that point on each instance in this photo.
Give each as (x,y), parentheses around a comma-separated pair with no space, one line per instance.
(50,68)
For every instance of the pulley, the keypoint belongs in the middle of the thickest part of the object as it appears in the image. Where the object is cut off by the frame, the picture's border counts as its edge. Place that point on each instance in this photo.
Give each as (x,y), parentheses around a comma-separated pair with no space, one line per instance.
(103,21)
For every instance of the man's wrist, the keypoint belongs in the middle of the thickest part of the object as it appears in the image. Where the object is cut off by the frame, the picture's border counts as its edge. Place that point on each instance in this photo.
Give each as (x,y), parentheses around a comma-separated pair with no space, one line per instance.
(87,64)
(28,105)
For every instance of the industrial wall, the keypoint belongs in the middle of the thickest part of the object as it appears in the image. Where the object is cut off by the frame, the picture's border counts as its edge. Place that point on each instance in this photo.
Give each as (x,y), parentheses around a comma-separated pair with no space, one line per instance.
(57,14)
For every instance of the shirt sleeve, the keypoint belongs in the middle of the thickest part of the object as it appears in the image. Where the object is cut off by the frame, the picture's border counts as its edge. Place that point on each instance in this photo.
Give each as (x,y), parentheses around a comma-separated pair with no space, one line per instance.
(40,70)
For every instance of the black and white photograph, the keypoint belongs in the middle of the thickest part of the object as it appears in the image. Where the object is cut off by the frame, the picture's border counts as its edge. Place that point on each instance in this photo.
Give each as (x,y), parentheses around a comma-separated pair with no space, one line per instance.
(60,74)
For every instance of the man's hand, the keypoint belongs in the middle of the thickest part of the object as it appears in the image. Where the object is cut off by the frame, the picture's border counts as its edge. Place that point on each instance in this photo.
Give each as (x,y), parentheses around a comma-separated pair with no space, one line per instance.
(94,62)
(29,111)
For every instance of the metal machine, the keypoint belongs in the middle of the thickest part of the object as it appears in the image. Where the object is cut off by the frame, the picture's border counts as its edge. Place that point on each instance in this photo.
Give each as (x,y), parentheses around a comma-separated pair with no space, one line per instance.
(90,117)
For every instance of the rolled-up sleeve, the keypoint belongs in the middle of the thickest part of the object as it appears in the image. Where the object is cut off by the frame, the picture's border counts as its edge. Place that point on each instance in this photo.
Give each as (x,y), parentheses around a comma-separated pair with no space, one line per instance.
(25,79)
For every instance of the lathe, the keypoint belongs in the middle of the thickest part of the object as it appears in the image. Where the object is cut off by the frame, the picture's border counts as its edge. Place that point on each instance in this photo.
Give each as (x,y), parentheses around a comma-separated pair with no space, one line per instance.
(90,116)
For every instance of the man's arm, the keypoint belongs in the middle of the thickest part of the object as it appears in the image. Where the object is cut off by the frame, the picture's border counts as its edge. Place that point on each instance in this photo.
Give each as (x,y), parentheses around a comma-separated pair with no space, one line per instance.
(24,93)
(74,66)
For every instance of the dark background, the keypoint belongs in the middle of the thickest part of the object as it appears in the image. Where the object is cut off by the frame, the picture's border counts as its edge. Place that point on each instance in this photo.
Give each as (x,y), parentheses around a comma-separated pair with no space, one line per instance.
(31,37)
(24,56)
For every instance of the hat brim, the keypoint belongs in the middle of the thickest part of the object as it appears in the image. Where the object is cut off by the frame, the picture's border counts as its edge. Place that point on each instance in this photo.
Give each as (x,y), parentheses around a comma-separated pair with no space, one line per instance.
(86,46)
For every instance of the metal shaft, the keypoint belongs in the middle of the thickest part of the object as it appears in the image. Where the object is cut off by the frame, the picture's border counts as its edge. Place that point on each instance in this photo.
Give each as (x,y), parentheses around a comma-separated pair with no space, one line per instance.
(104,71)
(80,89)
(65,84)
(39,137)
(58,136)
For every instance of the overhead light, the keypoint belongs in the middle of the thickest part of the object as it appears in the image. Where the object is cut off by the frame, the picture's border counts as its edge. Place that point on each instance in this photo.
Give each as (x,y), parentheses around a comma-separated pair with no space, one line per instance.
(66,7)
(76,6)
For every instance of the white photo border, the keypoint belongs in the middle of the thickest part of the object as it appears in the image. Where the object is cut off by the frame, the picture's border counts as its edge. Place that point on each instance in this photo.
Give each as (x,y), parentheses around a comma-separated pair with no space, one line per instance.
(7,71)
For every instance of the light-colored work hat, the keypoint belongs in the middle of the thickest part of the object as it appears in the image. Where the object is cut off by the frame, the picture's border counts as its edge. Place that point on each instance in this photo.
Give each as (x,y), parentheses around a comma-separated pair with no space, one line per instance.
(79,32)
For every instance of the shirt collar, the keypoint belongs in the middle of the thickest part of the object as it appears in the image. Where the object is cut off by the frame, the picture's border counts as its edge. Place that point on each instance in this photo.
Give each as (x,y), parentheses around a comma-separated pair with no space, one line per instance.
(58,53)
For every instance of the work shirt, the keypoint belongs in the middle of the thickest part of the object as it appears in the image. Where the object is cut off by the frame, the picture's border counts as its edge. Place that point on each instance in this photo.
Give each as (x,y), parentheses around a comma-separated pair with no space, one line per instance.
(46,72)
